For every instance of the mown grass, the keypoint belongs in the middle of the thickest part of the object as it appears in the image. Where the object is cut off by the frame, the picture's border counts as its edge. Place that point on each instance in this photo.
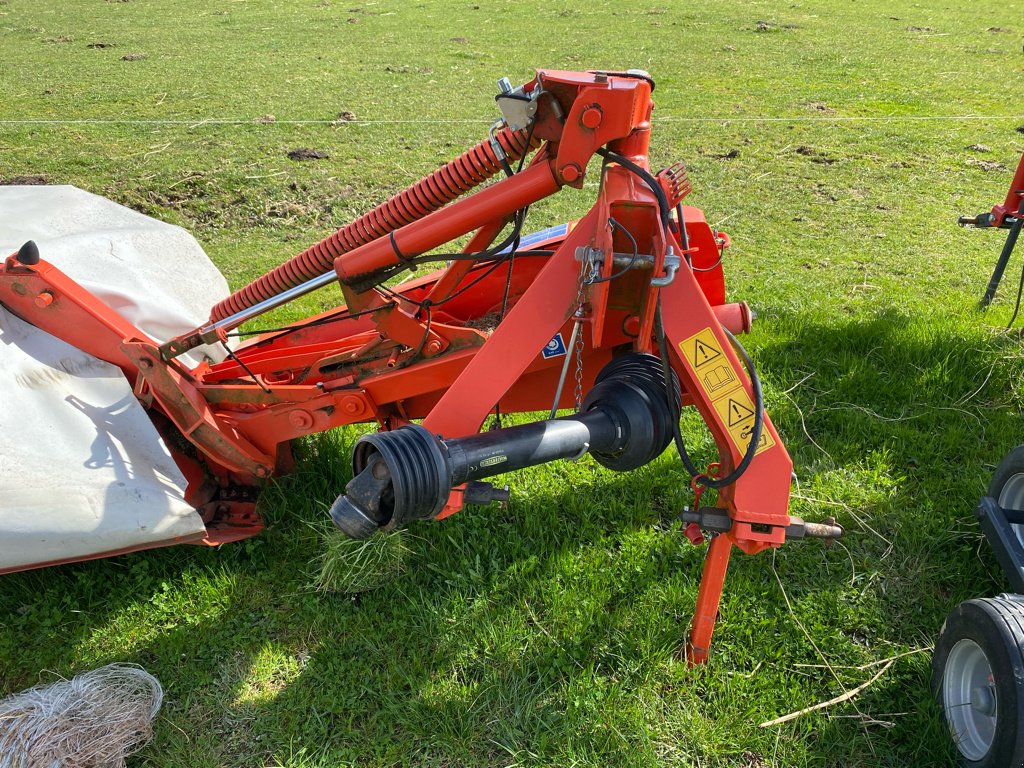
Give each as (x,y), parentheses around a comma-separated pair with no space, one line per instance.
(546,634)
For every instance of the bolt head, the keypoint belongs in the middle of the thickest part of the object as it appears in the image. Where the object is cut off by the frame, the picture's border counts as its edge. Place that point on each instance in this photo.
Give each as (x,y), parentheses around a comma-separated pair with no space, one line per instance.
(301,419)
(591,117)
(352,405)
(571,173)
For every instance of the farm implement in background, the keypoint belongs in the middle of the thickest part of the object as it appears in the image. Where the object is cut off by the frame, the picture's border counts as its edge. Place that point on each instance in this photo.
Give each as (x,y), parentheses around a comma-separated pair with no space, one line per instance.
(978,664)
(619,317)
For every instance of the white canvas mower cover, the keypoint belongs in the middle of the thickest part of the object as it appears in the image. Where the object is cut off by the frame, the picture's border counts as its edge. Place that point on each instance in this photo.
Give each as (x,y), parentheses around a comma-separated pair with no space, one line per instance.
(83,471)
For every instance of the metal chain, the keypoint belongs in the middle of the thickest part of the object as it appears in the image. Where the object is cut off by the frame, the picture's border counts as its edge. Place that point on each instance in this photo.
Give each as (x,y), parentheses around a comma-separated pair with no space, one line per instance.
(589,271)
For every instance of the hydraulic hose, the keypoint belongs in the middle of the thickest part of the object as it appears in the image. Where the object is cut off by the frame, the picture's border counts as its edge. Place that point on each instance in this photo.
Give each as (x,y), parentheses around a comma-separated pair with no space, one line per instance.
(468,170)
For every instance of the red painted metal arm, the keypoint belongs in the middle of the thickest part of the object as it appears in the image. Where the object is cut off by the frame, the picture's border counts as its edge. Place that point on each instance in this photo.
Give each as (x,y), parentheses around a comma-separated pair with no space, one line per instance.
(714,378)
(515,343)
(47,298)
(1011,205)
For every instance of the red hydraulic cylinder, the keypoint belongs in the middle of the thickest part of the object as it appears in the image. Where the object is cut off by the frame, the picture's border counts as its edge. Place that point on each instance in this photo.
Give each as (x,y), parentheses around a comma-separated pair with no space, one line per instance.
(497,201)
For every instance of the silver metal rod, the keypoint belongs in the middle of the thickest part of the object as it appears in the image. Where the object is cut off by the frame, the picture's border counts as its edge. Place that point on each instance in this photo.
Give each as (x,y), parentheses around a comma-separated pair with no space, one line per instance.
(235,320)
(565,366)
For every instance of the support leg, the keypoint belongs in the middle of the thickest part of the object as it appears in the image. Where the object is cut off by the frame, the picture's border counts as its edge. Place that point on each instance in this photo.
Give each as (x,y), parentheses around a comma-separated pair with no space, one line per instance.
(1004,258)
(716,563)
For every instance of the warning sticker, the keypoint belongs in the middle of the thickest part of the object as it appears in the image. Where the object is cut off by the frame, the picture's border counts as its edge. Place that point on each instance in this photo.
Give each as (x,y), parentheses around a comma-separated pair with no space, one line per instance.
(714,372)
(723,387)
(704,352)
(737,411)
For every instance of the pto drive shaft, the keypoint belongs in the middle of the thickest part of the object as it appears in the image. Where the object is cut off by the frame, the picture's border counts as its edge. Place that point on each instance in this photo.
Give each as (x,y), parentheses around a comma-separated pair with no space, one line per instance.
(407,474)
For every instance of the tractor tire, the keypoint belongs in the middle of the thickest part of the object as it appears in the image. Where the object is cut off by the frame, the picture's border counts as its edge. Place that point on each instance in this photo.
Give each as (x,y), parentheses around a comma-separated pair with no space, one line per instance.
(978,680)
(1007,486)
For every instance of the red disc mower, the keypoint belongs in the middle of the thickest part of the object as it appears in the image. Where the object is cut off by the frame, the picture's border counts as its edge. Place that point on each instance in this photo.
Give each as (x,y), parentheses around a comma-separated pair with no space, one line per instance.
(619,318)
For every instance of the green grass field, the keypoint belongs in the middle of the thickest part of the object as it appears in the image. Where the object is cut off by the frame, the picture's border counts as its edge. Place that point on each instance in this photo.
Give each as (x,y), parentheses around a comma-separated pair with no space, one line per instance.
(819,134)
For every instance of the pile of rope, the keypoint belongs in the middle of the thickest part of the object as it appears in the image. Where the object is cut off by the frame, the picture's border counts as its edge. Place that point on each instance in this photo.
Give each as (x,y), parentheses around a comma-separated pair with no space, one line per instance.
(94,720)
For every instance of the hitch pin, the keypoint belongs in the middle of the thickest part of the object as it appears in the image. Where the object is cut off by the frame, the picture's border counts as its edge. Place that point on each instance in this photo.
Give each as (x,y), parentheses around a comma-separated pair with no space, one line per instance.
(495,145)
(672,263)
(717,520)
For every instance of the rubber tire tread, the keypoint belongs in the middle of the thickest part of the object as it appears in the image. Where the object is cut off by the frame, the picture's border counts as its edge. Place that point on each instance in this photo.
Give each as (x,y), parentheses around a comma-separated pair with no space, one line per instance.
(997,626)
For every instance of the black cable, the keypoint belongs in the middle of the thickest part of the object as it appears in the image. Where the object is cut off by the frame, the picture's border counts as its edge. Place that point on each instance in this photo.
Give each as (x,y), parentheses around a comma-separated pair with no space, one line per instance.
(647,178)
(512,260)
(755,436)
(755,382)
(245,368)
(1016,306)
(425,306)
(463,289)
(506,167)
(632,259)
(501,259)
(343,314)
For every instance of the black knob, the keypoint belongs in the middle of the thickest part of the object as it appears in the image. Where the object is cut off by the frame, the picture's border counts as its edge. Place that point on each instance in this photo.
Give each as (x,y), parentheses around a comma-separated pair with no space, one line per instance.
(28,254)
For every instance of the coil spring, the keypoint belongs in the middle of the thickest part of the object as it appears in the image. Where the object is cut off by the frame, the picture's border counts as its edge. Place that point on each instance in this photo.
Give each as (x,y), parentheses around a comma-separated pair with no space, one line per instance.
(455,178)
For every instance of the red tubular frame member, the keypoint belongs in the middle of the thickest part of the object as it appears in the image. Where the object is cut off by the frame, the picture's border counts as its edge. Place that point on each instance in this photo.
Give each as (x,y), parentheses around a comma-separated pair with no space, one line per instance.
(449,347)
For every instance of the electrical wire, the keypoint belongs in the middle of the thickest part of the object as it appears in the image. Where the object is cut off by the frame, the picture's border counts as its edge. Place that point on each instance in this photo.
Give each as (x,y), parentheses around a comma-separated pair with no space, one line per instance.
(648,179)
(1016,306)
(511,263)
(334,317)
(245,368)
(1014,231)
(498,261)
(755,382)
(632,259)
(677,435)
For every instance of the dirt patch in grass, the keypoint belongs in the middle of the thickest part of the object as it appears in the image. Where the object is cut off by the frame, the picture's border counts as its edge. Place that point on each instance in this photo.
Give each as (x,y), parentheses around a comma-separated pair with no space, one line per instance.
(23,181)
(987,165)
(100,44)
(814,155)
(133,57)
(404,69)
(822,107)
(304,153)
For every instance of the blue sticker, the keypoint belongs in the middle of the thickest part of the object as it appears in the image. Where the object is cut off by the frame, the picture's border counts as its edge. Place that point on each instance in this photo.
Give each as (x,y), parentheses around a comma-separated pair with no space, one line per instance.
(555,347)
(535,238)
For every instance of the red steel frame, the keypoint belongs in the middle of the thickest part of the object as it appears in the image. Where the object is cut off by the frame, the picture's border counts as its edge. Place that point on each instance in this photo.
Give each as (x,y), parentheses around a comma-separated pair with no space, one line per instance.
(1011,205)
(387,360)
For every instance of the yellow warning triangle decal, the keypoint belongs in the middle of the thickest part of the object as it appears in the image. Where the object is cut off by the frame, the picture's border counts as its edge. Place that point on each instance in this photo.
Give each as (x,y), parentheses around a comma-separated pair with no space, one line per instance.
(703,353)
(738,413)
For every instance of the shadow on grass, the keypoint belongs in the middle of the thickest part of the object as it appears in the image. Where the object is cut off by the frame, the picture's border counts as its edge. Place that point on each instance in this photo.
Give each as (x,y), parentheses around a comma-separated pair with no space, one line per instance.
(546,633)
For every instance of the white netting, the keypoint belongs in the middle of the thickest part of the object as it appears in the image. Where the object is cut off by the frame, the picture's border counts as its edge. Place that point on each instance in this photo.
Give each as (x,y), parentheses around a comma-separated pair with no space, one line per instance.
(94,720)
